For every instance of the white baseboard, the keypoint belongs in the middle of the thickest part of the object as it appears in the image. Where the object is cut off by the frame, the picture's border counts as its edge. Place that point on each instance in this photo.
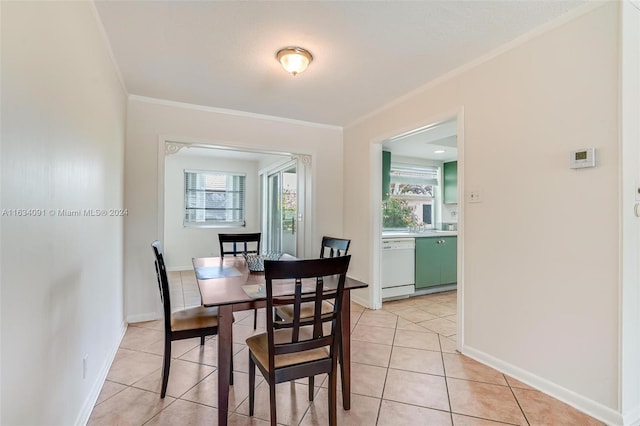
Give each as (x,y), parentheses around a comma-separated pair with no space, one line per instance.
(94,393)
(149,316)
(360,300)
(631,417)
(592,408)
(179,268)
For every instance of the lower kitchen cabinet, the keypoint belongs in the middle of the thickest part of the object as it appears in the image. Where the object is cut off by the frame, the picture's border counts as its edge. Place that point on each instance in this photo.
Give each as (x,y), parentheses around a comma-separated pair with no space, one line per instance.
(436,261)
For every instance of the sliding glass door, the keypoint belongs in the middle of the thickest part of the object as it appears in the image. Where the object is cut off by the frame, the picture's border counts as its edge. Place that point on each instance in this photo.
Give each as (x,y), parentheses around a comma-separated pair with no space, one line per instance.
(282,209)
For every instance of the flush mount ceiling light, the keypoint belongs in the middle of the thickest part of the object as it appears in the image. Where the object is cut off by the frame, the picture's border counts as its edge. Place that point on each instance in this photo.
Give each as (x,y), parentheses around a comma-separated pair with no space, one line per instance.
(439,151)
(294,59)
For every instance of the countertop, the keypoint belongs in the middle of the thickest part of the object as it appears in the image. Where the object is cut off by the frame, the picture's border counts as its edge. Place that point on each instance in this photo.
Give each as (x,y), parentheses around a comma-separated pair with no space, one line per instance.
(430,233)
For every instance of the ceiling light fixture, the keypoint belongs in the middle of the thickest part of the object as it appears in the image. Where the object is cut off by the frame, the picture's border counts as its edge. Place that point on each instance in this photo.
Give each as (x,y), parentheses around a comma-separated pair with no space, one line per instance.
(294,59)
(439,151)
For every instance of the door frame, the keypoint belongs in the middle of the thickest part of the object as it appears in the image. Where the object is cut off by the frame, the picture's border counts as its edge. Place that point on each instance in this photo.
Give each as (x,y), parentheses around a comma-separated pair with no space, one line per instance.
(375,293)
(168,145)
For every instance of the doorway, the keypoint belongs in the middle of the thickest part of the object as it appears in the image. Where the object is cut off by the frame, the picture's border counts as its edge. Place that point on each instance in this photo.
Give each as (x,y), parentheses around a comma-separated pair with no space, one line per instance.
(281,210)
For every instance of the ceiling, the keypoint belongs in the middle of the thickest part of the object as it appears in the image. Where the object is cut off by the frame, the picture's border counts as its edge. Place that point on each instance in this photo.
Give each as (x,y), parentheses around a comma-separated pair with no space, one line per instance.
(438,142)
(221,54)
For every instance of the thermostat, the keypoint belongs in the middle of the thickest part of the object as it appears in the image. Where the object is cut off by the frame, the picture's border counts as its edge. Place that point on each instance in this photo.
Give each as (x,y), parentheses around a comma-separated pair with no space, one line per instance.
(583,158)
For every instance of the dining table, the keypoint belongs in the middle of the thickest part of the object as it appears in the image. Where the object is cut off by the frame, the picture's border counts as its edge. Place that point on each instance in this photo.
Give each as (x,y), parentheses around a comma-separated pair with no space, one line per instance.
(228,284)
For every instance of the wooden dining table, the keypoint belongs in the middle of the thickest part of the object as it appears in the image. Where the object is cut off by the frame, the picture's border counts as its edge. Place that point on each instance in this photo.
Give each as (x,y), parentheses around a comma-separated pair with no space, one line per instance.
(227,283)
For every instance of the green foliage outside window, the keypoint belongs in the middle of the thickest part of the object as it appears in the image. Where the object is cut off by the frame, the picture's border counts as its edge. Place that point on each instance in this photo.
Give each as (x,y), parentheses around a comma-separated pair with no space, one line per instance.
(397,213)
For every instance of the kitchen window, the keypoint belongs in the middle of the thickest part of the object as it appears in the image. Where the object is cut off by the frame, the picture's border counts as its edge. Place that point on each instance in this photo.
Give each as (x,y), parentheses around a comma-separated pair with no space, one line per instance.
(214,199)
(413,190)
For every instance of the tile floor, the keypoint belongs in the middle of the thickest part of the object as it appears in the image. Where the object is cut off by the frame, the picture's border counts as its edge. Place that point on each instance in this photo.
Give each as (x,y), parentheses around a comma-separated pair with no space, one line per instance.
(405,371)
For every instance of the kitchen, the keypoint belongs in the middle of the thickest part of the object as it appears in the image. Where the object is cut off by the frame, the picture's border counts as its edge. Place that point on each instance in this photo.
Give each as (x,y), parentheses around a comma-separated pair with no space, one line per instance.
(419,212)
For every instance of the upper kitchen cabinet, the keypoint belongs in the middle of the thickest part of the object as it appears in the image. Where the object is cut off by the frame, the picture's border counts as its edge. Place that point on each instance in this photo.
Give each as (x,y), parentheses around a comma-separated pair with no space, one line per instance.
(386,174)
(450,184)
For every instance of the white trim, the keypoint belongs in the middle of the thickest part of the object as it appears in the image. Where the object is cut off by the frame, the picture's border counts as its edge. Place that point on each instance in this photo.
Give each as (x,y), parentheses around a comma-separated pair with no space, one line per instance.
(360,301)
(107,44)
(587,406)
(254,115)
(149,316)
(460,296)
(96,388)
(561,20)
(632,417)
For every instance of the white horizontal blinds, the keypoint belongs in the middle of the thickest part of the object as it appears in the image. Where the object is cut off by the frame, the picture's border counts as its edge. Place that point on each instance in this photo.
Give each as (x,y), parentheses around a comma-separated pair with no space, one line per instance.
(214,198)
(416,181)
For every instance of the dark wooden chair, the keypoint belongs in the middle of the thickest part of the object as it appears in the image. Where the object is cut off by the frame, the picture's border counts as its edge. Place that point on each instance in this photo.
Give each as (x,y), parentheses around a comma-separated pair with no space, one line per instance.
(301,347)
(184,324)
(331,247)
(235,244)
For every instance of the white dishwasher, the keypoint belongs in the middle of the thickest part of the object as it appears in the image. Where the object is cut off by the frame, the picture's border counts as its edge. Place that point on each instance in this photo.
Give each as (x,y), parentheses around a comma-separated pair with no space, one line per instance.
(397,273)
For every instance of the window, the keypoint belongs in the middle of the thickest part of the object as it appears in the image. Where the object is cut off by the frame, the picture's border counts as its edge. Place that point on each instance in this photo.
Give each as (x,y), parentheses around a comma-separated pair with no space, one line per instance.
(413,190)
(214,199)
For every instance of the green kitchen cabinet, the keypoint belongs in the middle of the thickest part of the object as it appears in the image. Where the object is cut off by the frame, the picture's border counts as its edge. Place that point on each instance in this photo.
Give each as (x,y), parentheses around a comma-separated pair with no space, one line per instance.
(436,261)
(450,177)
(386,175)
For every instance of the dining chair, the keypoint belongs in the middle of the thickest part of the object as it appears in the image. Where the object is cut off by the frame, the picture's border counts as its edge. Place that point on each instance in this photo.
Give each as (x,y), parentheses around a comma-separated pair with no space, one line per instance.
(183,324)
(302,347)
(235,244)
(330,247)
(334,247)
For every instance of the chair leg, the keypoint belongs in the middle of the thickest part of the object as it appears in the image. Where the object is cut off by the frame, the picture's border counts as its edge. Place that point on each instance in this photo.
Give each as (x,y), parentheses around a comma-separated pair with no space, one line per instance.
(231,369)
(255,318)
(201,340)
(333,416)
(166,363)
(272,402)
(252,384)
(311,387)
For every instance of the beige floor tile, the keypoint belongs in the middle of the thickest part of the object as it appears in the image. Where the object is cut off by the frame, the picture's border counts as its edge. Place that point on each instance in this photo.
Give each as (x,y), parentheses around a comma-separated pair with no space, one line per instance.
(398,305)
(541,409)
(367,333)
(355,307)
(483,400)
(183,375)
(517,383)
(370,353)
(140,338)
(242,332)
(206,392)
(416,315)
(240,420)
(404,324)
(419,389)
(462,367)
(440,309)
(397,414)
(418,360)
(109,389)
(130,366)
(460,420)
(364,410)
(156,324)
(379,319)
(448,345)
(208,354)
(291,403)
(440,326)
(367,380)
(185,413)
(178,347)
(417,340)
(130,407)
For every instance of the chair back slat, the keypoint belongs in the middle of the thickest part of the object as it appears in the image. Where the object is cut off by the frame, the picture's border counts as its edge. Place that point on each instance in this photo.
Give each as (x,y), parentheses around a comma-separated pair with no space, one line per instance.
(309,278)
(163,282)
(239,243)
(333,247)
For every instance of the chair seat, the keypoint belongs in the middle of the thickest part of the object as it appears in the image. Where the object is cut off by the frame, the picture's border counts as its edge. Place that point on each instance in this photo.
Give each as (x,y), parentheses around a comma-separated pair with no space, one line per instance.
(259,346)
(194,318)
(306,310)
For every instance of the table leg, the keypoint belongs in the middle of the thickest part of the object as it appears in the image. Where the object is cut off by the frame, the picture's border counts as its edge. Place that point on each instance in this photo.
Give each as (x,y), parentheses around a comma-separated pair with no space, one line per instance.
(345,364)
(225,344)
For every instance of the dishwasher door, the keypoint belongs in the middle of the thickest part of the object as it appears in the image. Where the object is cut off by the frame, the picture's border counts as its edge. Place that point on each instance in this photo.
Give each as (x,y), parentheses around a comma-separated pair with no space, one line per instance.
(397,274)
